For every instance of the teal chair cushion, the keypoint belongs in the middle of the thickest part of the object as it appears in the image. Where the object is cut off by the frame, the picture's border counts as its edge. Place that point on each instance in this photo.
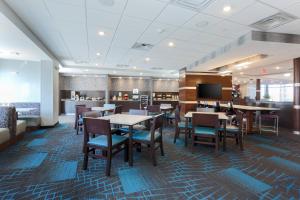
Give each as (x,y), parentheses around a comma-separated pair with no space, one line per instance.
(144,135)
(101,140)
(182,125)
(199,130)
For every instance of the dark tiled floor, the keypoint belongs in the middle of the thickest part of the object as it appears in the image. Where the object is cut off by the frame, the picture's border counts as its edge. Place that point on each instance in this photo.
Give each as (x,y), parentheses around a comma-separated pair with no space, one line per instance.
(46,164)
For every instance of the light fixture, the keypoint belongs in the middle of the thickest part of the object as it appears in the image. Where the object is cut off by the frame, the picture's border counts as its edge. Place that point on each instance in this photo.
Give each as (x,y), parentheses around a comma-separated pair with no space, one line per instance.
(101,33)
(171,44)
(227,8)
(287,74)
(97,64)
(242,64)
(86,70)
(246,66)
(114,72)
(98,54)
(277,68)
(147,59)
(134,67)
(141,73)
(160,30)
(241,73)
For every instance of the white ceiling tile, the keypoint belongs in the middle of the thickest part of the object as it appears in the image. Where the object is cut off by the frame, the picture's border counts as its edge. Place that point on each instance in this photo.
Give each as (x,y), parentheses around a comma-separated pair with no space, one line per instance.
(146,9)
(280,4)
(216,8)
(175,15)
(202,21)
(117,6)
(247,16)
(292,28)
(293,9)
(102,19)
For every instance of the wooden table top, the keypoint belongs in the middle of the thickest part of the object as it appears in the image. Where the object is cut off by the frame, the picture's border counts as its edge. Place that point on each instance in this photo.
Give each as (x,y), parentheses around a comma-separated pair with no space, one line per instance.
(243,107)
(221,115)
(125,119)
(101,109)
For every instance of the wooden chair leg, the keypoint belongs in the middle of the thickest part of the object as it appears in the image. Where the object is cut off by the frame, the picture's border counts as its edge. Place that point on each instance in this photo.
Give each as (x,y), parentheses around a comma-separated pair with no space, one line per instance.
(217,143)
(161,147)
(176,135)
(126,152)
(86,158)
(241,141)
(193,144)
(153,154)
(108,163)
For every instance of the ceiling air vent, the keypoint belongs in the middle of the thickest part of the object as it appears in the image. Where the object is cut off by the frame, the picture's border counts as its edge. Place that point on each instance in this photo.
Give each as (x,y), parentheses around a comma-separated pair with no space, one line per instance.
(142,46)
(197,5)
(273,21)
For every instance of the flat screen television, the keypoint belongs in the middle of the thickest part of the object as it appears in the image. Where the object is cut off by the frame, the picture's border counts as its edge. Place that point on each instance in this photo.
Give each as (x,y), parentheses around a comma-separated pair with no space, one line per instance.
(209,91)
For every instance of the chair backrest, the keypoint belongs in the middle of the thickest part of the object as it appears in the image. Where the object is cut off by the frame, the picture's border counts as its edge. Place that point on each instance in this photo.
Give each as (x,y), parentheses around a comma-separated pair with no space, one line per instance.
(138,112)
(157,123)
(239,119)
(92,114)
(76,112)
(177,115)
(118,110)
(207,120)
(153,109)
(81,110)
(94,126)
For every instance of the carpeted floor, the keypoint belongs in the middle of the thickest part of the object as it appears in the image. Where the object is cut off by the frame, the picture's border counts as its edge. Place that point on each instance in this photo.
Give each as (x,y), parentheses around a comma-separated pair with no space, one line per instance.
(47,163)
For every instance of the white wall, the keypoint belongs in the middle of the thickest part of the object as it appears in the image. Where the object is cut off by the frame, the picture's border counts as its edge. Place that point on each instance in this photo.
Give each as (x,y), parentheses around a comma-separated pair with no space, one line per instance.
(20,81)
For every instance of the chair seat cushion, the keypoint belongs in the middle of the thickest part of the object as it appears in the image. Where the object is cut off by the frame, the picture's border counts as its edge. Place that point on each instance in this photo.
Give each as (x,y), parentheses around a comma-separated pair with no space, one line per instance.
(182,125)
(144,135)
(101,140)
(199,130)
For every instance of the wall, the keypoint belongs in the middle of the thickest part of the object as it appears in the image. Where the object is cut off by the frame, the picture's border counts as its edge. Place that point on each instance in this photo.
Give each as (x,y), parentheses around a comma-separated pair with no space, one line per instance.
(20,81)
(128,84)
(165,85)
(83,83)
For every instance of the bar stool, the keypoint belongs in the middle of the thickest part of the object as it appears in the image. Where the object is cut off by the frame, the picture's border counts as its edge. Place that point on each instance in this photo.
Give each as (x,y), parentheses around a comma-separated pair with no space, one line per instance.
(272,116)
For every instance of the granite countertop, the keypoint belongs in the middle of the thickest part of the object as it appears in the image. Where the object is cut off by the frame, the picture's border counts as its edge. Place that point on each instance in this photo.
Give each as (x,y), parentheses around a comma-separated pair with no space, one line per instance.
(80,100)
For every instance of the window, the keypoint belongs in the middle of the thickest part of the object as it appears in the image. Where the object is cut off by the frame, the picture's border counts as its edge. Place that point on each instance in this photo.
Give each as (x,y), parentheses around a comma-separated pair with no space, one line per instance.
(277,92)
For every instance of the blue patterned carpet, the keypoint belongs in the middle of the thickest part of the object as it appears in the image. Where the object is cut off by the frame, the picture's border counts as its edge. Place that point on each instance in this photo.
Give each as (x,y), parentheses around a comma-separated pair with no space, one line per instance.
(46,164)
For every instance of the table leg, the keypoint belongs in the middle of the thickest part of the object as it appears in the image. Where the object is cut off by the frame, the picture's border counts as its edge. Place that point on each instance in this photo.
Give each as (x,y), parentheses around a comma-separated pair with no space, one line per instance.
(224,136)
(249,116)
(130,147)
(186,132)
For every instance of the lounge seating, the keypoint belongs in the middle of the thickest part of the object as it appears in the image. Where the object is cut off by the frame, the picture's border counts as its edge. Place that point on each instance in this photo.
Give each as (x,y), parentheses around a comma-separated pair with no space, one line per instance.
(11,129)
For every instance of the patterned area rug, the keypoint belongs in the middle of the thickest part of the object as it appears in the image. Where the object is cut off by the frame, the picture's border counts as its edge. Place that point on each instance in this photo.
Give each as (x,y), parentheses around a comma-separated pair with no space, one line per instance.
(47,164)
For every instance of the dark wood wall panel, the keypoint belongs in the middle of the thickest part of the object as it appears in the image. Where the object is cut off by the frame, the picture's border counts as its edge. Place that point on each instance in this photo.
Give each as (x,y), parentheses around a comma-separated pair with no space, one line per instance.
(187,84)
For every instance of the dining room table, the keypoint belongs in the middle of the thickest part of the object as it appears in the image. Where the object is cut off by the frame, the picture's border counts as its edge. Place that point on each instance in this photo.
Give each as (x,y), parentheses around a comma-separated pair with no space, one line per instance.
(130,121)
(221,116)
(248,110)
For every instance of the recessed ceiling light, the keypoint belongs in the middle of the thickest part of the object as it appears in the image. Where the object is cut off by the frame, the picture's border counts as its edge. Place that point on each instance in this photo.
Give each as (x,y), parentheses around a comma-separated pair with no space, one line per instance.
(147,59)
(243,64)
(241,73)
(277,67)
(160,30)
(98,54)
(97,64)
(246,66)
(141,73)
(134,67)
(171,44)
(86,70)
(101,33)
(227,8)
(287,74)
(114,72)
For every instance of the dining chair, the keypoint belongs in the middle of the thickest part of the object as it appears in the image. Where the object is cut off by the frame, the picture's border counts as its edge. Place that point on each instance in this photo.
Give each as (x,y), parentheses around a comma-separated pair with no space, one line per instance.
(153,109)
(97,135)
(111,108)
(152,137)
(118,109)
(205,127)
(80,112)
(236,130)
(92,114)
(180,127)
(76,114)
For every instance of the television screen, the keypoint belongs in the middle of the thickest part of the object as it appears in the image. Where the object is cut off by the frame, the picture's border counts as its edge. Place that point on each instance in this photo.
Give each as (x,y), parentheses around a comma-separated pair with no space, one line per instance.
(209,91)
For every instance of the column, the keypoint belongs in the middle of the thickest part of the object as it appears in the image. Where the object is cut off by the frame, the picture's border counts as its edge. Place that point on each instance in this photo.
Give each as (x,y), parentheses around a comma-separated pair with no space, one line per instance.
(151,82)
(296,96)
(107,89)
(257,97)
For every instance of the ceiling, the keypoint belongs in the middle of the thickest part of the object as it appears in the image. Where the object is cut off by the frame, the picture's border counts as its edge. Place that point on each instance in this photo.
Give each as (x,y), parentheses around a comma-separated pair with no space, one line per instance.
(14,44)
(69,28)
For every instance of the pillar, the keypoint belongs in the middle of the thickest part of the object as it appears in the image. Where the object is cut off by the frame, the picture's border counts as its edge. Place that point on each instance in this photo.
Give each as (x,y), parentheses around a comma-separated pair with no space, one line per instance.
(296,109)
(107,88)
(257,97)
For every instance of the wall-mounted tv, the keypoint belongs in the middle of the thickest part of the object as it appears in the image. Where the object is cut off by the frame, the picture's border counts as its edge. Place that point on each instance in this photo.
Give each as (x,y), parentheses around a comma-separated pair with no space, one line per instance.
(209,91)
